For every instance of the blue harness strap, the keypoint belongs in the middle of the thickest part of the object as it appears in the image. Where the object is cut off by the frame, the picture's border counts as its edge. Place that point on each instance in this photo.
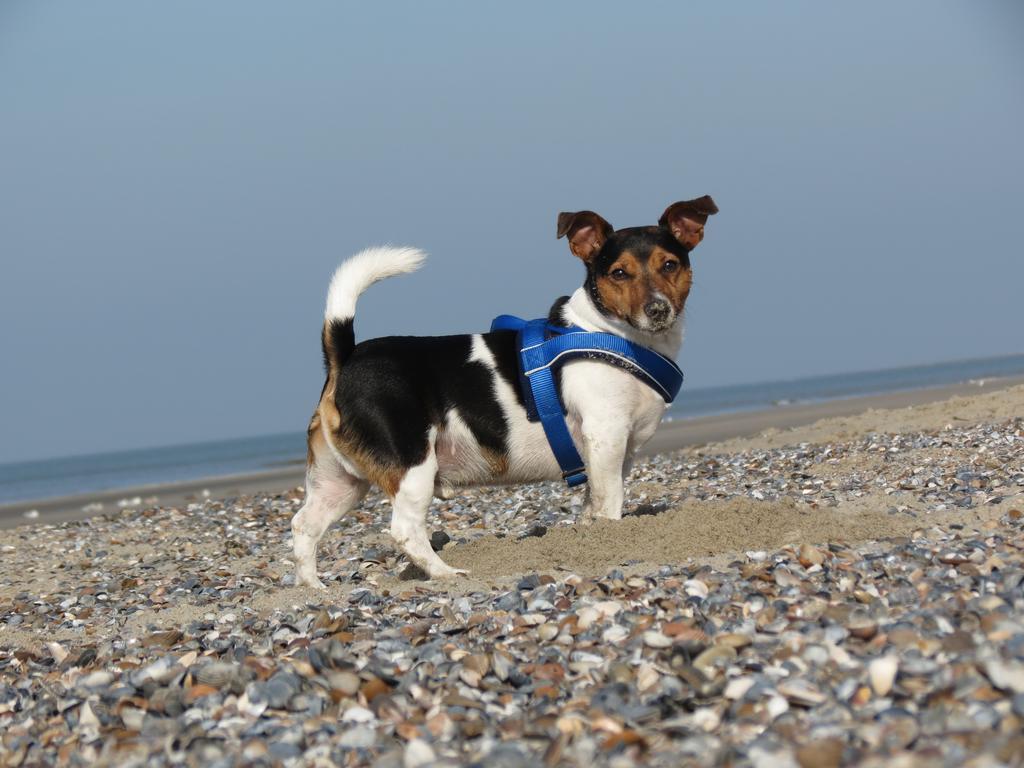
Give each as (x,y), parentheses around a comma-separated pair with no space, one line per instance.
(543,347)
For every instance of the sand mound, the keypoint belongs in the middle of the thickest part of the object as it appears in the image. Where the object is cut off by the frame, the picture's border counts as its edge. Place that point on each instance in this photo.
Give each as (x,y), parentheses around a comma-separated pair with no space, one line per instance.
(694,530)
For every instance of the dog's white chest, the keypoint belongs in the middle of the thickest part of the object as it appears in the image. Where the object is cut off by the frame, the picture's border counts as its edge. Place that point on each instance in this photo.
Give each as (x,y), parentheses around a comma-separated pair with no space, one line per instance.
(605,406)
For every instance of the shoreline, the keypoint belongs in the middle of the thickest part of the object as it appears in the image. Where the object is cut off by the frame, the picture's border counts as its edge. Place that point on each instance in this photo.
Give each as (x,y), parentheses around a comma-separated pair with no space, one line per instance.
(671,435)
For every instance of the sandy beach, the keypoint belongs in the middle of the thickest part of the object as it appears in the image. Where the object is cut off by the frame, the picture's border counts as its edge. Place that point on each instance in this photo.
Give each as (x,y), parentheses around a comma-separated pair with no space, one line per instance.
(821,585)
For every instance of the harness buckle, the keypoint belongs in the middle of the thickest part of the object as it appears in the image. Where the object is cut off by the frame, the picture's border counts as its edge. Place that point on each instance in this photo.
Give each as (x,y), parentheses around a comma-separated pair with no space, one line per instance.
(574,477)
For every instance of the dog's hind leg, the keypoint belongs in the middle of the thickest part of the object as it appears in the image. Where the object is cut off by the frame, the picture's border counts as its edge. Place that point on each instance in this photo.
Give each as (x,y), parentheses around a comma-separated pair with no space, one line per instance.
(330,493)
(409,517)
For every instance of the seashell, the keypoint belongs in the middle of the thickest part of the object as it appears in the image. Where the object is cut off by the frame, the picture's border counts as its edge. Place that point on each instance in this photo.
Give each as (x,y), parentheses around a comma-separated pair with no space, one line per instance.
(654,639)
(737,687)
(696,588)
(713,657)
(882,674)
(216,674)
(801,692)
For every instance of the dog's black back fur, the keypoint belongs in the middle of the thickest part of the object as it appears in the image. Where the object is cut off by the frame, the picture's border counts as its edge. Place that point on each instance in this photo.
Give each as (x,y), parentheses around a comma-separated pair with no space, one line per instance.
(393,389)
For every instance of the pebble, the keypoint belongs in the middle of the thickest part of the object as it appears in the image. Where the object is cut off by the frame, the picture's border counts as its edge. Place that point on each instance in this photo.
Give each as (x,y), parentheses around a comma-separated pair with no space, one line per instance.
(438,539)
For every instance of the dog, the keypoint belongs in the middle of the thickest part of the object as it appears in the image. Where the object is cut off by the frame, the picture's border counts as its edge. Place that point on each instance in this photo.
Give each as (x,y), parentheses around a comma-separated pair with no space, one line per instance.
(421,416)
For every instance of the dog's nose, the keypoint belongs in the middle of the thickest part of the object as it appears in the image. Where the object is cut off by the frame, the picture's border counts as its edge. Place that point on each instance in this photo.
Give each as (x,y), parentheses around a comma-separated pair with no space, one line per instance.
(657,310)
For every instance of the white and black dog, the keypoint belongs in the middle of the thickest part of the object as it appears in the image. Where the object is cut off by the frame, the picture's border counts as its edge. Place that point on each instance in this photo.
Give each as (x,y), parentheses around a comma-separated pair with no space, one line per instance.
(420,416)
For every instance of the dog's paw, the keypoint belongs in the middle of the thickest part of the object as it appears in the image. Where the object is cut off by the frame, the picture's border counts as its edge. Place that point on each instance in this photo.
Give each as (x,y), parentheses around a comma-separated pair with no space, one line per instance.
(590,516)
(309,581)
(447,573)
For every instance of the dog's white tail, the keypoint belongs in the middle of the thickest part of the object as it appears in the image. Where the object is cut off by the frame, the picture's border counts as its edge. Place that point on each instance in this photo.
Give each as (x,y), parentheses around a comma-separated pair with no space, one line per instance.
(350,279)
(361,271)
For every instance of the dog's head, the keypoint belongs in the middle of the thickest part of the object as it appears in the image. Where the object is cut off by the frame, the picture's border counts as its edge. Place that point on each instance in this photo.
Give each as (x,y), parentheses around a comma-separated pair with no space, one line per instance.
(640,275)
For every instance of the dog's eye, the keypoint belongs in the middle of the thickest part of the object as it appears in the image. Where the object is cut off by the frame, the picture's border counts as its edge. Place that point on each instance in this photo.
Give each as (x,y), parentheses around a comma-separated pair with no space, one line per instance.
(670,266)
(619,274)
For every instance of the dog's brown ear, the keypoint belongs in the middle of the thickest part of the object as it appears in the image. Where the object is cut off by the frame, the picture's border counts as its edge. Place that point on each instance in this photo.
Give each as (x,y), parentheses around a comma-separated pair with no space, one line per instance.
(586,231)
(686,219)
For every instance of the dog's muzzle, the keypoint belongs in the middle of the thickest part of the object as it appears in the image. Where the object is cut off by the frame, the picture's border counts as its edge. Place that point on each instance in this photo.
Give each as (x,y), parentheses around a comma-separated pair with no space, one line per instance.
(658,311)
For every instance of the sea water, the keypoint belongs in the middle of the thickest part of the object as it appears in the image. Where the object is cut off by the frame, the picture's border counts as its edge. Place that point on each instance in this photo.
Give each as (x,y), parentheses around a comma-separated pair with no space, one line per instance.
(103,471)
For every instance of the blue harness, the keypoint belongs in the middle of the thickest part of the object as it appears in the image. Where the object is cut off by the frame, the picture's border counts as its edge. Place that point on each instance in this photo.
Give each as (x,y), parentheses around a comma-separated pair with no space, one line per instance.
(543,347)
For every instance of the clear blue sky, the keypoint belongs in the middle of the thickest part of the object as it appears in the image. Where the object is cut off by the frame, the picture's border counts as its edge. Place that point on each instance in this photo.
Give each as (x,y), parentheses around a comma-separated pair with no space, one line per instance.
(178,180)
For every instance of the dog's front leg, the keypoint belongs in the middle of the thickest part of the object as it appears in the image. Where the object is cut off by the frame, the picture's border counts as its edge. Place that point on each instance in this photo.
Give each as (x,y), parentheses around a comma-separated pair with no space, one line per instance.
(604,453)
